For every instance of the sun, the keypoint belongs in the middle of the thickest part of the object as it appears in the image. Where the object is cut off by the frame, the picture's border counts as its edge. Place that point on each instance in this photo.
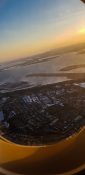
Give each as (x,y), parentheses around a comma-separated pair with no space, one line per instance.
(82,31)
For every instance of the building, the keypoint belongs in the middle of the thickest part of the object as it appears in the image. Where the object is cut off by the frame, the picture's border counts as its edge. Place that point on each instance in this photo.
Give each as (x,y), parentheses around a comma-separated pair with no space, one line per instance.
(1,116)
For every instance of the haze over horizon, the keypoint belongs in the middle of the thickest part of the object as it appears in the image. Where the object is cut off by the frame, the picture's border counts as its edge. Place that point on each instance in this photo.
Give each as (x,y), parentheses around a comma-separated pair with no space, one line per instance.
(30,27)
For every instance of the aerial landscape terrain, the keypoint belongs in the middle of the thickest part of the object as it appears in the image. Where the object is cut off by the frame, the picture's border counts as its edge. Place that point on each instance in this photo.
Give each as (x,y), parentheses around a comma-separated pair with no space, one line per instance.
(42,98)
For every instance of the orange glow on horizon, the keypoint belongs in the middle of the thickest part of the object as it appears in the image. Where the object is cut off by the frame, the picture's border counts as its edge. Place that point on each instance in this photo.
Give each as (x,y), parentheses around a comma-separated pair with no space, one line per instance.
(25,49)
(82,31)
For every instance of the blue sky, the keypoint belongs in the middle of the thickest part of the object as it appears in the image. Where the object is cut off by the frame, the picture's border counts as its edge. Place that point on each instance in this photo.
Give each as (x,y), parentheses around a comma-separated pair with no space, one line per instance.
(31,24)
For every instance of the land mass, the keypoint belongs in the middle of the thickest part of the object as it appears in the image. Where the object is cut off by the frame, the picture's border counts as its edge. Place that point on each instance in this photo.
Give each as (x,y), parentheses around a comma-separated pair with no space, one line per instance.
(43,115)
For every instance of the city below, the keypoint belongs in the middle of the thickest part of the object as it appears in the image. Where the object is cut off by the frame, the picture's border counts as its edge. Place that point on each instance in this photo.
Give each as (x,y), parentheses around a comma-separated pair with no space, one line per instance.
(44,114)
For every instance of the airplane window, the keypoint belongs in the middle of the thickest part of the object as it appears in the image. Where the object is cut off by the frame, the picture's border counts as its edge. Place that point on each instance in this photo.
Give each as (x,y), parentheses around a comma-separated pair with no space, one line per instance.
(42,86)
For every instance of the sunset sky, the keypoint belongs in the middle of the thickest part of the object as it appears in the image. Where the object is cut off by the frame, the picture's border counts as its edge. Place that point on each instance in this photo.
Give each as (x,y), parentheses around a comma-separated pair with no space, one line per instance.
(32,26)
